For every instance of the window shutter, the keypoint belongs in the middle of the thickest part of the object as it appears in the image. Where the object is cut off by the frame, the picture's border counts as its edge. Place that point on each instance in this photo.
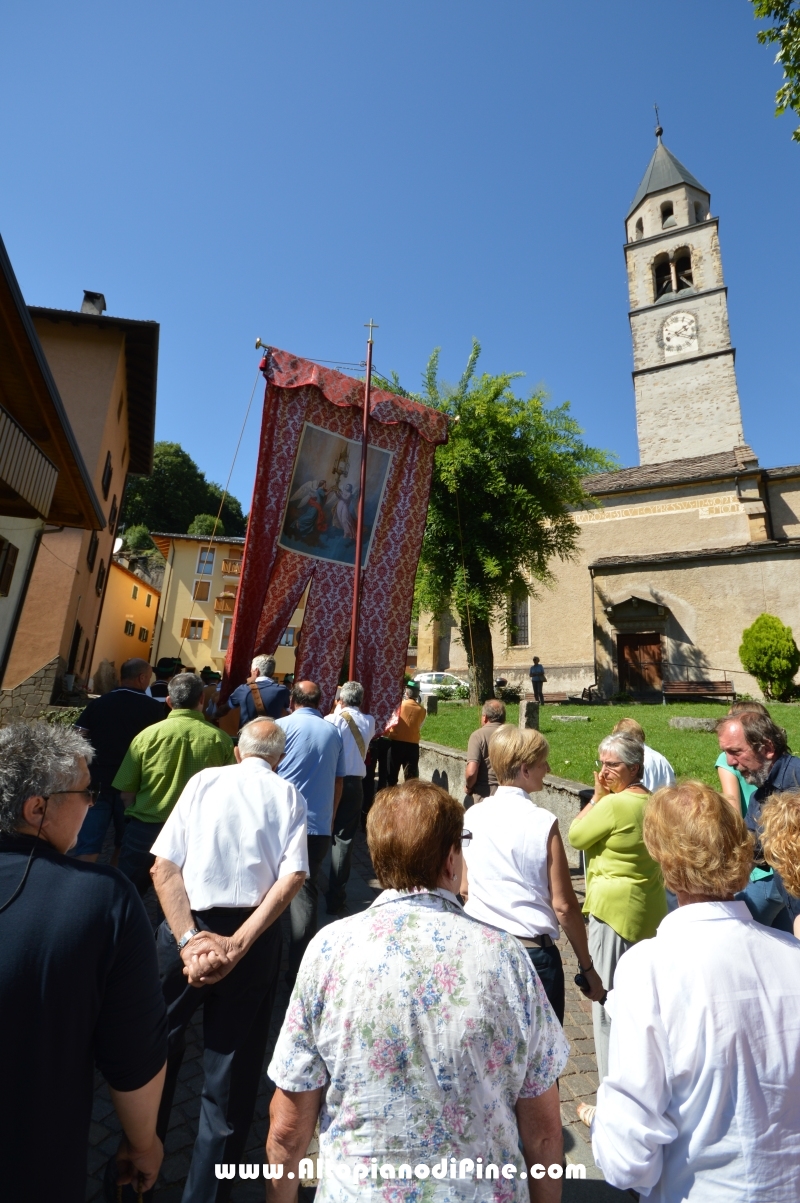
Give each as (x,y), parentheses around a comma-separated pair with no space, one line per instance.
(206,630)
(184,628)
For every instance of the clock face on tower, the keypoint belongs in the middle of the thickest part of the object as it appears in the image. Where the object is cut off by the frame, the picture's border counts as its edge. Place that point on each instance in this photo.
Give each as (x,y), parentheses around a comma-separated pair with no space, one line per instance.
(679,334)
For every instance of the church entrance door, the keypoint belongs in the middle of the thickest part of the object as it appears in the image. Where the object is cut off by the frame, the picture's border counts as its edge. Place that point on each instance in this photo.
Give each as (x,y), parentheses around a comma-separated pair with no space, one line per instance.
(639,660)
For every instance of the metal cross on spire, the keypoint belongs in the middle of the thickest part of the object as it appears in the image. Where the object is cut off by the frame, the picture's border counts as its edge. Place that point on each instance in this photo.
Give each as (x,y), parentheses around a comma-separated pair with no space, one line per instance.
(659,130)
(370,325)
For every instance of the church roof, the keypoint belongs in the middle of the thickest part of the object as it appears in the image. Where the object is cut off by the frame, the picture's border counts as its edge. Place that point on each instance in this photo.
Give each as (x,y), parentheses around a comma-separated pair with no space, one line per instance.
(663,171)
(766,547)
(674,472)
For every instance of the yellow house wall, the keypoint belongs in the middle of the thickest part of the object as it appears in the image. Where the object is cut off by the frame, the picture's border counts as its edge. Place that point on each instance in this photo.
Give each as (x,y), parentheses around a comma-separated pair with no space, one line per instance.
(177,605)
(120,607)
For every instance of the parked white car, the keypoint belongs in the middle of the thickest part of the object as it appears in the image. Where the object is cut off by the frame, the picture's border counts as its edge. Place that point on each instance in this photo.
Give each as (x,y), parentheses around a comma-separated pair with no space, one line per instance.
(431,682)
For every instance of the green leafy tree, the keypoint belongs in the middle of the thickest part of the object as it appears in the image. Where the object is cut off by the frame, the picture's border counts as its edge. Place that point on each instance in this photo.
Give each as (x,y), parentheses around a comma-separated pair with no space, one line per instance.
(175,493)
(770,654)
(137,538)
(206,524)
(502,493)
(785,33)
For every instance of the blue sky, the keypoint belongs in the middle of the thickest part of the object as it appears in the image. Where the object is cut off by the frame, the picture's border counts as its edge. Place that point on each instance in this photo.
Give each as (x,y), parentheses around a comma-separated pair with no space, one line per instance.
(452,168)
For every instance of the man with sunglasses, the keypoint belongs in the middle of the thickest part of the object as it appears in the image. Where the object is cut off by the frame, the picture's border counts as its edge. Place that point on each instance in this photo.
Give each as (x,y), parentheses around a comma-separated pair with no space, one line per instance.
(79,984)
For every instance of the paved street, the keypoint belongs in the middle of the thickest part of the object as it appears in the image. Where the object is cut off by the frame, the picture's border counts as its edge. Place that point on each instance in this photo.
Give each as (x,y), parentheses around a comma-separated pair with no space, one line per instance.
(578,1083)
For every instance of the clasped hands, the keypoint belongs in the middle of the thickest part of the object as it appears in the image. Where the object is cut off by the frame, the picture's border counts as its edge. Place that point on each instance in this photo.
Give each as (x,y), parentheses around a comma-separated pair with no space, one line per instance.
(208,957)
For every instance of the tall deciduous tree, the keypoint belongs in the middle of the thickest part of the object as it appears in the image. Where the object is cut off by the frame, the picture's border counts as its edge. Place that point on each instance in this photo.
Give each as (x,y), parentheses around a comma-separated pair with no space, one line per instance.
(785,33)
(501,499)
(177,491)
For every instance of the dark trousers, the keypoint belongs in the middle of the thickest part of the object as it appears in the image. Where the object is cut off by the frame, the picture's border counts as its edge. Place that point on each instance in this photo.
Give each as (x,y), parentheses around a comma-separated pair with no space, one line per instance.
(538,691)
(547,963)
(236,1018)
(135,860)
(303,907)
(403,755)
(345,826)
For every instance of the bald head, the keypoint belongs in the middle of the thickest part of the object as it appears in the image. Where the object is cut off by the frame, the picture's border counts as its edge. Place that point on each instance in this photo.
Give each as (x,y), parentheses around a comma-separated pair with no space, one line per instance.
(261,737)
(306,693)
(135,674)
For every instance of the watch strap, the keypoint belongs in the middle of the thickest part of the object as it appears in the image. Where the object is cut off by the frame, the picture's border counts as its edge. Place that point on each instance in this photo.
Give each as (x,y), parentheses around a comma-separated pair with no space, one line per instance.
(187,936)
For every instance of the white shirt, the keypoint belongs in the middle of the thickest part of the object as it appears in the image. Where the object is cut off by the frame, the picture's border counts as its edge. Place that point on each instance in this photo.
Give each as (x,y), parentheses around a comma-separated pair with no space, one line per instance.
(656,770)
(353,761)
(234,831)
(507,864)
(702,1098)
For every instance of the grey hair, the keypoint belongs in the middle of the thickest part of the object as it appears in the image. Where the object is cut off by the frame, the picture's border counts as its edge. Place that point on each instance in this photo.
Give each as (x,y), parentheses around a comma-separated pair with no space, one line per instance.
(263,665)
(133,668)
(629,749)
(185,691)
(36,759)
(351,694)
(494,710)
(261,737)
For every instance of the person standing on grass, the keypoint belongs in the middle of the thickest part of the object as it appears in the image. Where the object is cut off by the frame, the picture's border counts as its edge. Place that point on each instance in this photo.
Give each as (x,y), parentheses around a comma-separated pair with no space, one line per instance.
(657,770)
(537,675)
(516,875)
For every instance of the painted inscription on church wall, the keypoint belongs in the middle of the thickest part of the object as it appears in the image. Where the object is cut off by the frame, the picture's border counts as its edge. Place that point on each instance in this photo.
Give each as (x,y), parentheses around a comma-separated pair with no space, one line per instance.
(706,507)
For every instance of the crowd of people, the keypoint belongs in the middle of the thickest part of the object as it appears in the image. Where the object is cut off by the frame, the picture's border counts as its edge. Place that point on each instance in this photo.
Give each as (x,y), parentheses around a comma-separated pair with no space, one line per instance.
(424,1036)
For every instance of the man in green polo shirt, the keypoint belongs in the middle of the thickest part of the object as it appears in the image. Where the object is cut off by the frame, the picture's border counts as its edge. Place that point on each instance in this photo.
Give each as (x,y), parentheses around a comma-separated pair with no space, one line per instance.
(157,765)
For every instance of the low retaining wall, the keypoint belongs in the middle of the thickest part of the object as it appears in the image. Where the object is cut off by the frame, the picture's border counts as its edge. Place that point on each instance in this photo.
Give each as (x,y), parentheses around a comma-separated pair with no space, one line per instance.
(447,767)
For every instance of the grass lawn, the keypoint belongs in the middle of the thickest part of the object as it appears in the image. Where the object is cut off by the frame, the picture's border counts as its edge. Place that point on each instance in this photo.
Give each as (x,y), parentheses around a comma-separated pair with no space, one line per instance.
(573,746)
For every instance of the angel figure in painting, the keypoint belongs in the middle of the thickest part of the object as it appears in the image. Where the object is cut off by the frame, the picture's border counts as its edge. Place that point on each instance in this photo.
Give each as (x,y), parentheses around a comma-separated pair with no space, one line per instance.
(309,520)
(345,510)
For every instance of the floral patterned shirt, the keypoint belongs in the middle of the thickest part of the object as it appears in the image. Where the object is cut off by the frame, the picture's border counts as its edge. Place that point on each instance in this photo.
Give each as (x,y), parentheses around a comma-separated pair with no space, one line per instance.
(424,1027)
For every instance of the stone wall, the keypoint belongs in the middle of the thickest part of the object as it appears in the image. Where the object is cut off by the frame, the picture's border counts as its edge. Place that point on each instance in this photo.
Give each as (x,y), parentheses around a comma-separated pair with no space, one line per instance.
(33,695)
(447,767)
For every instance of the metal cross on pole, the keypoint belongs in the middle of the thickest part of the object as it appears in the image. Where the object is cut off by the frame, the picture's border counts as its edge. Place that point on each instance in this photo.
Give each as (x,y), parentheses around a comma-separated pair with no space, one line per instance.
(370,325)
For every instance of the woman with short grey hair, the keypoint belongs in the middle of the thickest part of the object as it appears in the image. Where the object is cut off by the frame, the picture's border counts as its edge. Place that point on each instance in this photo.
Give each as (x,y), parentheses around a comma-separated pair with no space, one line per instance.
(625,896)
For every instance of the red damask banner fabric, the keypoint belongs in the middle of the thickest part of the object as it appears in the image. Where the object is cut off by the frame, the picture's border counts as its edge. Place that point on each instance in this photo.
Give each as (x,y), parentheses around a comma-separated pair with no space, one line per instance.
(302,528)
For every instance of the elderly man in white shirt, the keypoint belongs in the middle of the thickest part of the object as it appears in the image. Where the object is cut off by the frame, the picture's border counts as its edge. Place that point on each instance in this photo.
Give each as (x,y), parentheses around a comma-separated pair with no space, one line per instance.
(656,770)
(702,1097)
(356,730)
(229,860)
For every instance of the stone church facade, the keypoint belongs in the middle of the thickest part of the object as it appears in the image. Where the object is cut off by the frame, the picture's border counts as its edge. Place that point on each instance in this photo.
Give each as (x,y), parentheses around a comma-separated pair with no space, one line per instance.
(686,550)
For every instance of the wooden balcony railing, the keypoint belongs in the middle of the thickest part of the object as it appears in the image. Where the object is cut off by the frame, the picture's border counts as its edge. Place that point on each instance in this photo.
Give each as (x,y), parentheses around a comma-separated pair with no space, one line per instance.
(224,604)
(231,567)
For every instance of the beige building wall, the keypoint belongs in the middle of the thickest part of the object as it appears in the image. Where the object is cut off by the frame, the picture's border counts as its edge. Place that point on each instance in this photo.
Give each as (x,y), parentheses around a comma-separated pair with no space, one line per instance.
(65,590)
(128,621)
(198,600)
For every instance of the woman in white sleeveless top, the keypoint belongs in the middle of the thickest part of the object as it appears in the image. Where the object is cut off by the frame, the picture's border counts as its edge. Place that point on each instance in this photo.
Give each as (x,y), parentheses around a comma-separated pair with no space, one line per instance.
(516,875)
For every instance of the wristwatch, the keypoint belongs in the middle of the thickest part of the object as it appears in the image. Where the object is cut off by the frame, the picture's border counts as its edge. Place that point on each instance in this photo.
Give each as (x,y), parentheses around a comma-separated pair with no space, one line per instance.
(586,970)
(187,936)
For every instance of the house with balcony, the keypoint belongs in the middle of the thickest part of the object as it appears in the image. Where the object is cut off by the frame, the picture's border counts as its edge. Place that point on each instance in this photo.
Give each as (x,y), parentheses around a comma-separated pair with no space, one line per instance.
(198,600)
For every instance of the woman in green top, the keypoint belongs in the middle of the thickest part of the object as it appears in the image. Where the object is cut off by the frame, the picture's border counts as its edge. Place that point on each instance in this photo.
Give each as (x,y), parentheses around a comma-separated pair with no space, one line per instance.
(625,896)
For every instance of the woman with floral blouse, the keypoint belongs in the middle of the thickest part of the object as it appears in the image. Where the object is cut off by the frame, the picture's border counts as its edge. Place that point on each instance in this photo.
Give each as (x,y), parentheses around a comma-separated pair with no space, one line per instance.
(421,1038)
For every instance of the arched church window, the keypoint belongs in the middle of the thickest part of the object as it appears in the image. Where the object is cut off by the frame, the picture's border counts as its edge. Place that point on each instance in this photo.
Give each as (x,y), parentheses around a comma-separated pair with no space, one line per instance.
(639,230)
(667,216)
(683,269)
(662,270)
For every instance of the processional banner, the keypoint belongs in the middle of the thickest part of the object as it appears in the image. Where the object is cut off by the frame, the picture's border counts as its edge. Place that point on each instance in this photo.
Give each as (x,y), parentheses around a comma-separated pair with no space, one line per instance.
(302,528)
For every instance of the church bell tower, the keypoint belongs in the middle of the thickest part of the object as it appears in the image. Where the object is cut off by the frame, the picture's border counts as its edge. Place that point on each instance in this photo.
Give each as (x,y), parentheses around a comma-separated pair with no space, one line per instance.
(687,402)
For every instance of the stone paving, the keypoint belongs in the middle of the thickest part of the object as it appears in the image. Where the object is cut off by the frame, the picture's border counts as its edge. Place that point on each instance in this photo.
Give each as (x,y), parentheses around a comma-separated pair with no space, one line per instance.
(578,1083)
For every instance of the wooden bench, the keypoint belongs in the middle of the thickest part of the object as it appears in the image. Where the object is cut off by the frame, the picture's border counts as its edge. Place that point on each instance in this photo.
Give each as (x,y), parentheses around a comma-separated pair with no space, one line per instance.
(699,689)
(548,697)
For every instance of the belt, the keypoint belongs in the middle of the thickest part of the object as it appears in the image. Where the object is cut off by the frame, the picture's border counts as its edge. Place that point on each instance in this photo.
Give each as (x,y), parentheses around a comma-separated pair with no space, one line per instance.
(535,941)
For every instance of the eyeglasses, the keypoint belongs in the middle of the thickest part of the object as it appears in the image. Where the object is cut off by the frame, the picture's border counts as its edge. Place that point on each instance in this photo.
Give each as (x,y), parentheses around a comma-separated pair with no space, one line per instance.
(89,794)
(466,836)
(608,764)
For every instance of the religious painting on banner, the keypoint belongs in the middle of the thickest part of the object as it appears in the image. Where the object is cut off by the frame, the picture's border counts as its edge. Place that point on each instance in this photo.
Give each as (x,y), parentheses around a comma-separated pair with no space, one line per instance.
(321,513)
(301,529)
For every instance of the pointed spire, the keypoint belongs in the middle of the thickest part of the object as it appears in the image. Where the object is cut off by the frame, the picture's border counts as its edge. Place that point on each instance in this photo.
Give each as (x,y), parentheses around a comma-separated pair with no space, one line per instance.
(663,171)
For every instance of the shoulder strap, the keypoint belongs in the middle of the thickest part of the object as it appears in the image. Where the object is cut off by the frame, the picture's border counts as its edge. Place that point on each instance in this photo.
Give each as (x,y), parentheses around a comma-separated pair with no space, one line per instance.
(356,734)
(258,701)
